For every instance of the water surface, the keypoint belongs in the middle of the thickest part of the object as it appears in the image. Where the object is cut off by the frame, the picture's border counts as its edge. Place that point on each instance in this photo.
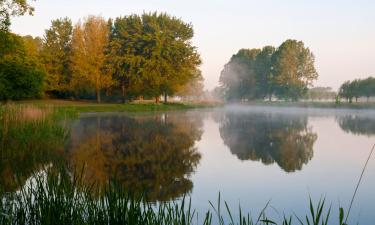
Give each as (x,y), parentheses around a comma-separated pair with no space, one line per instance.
(249,154)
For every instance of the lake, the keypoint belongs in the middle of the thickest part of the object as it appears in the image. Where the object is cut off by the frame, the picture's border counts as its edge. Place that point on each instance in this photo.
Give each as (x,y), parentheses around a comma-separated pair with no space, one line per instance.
(250,155)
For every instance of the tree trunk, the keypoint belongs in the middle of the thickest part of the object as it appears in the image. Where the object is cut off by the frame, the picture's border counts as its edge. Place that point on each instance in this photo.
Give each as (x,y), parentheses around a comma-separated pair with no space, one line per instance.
(97,87)
(98,95)
(123,92)
(157,99)
(270,98)
(165,98)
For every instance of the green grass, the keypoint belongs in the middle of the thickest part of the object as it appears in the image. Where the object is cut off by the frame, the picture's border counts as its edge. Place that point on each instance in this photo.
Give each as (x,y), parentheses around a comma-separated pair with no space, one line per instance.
(59,197)
(80,106)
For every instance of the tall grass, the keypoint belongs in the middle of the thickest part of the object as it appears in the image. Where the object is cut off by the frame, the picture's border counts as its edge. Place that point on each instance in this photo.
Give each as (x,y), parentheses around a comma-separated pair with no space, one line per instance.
(30,137)
(60,197)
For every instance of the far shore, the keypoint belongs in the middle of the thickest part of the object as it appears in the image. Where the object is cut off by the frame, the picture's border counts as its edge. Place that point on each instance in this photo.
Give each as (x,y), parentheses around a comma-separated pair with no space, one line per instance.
(311,104)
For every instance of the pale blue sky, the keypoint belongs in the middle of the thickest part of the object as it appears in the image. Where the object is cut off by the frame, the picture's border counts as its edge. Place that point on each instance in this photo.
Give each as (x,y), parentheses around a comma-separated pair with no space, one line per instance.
(340,33)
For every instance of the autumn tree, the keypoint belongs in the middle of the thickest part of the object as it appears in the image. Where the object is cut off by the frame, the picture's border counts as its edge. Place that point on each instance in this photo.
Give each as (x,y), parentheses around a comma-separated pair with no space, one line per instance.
(56,55)
(90,40)
(294,69)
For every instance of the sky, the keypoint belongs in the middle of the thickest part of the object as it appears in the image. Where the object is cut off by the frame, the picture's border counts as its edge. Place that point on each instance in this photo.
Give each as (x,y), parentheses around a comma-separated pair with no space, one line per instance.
(340,33)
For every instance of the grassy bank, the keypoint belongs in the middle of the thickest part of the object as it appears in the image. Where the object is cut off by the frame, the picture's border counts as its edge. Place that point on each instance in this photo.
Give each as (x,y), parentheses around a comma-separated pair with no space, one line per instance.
(82,106)
(325,105)
(58,197)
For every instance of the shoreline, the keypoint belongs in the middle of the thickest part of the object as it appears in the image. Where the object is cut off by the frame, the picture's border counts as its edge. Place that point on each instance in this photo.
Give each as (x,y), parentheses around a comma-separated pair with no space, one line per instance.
(315,105)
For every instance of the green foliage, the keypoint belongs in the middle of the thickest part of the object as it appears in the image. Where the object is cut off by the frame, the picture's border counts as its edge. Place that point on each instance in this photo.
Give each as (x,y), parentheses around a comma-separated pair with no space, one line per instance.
(358,88)
(152,54)
(20,76)
(286,72)
(294,69)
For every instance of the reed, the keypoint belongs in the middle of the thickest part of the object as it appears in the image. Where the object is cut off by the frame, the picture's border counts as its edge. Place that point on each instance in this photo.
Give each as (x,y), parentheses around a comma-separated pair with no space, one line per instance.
(60,197)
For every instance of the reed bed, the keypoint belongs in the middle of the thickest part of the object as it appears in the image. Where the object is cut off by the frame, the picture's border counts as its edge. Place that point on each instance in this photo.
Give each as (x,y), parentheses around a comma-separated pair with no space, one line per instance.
(52,197)
(30,137)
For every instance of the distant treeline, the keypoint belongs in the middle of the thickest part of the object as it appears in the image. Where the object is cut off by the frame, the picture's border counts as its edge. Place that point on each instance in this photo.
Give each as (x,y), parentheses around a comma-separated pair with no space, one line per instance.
(146,55)
(285,72)
(358,88)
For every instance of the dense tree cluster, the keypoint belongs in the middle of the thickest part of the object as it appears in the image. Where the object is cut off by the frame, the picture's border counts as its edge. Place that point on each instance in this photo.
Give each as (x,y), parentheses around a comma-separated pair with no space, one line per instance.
(20,75)
(285,72)
(358,88)
(146,55)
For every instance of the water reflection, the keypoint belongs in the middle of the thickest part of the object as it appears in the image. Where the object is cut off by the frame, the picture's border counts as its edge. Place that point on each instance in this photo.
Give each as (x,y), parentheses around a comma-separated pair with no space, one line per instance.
(269,137)
(357,124)
(155,154)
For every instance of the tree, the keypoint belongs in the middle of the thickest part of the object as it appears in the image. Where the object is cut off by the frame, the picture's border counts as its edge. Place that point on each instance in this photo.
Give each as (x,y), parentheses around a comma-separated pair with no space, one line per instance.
(194,88)
(346,91)
(20,76)
(33,47)
(238,78)
(152,54)
(367,87)
(9,8)
(56,56)
(90,40)
(293,69)
(263,68)
(170,59)
(126,56)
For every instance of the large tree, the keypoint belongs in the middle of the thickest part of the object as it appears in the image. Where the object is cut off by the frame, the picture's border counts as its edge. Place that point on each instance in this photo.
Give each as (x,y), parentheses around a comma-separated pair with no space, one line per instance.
(56,55)
(90,41)
(126,54)
(293,69)
(153,54)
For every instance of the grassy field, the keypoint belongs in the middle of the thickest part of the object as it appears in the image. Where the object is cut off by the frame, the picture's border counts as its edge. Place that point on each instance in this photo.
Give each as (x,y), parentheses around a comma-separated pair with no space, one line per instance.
(82,106)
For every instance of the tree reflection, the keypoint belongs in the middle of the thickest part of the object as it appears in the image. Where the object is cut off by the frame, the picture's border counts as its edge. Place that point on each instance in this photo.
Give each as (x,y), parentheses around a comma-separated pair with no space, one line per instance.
(281,138)
(150,154)
(357,124)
